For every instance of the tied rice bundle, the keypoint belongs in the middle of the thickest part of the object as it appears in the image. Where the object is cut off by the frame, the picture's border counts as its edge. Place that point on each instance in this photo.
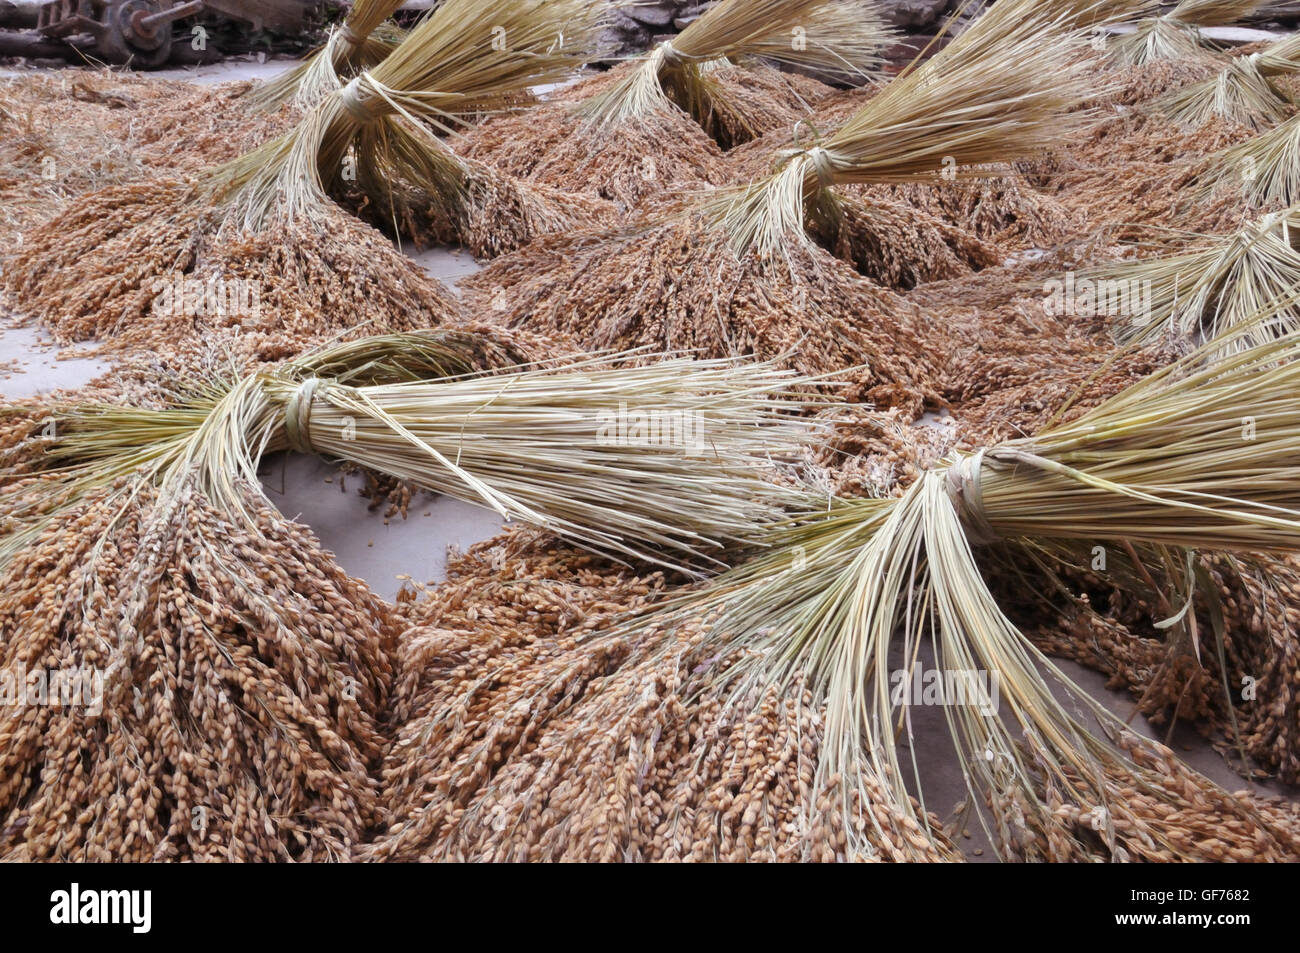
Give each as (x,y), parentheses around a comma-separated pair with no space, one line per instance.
(372,136)
(240,673)
(1175,35)
(1161,467)
(656,124)
(611,449)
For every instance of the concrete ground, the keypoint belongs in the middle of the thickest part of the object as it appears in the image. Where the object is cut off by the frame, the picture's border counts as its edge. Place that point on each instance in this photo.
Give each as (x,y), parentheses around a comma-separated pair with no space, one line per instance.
(387,552)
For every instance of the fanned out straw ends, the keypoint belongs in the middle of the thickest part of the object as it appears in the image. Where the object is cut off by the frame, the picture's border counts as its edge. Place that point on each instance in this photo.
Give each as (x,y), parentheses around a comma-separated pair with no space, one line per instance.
(363,41)
(657,123)
(845,604)
(1266,168)
(267,219)
(238,671)
(750,270)
(1216,289)
(1243,91)
(1175,35)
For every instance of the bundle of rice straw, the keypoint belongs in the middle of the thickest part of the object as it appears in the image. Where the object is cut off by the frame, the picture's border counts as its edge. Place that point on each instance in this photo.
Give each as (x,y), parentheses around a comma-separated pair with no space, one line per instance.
(362,42)
(238,672)
(738,272)
(664,462)
(841,603)
(1266,168)
(269,213)
(220,678)
(496,692)
(1243,91)
(970,105)
(122,268)
(648,126)
(1219,285)
(825,34)
(1176,35)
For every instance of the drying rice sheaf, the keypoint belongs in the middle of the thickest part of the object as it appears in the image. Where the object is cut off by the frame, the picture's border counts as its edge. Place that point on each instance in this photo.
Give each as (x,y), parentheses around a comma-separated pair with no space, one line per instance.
(656,123)
(496,759)
(239,674)
(822,607)
(216,733)
(274,198)
(573,691)
(1174,35)
(735,271)
(667,287)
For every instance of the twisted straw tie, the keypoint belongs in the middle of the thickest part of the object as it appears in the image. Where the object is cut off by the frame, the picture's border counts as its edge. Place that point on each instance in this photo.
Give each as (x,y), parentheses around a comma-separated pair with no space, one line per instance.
(360,98)
(823,165)
(351,37)
(297,415)
(962,482)
(669,54)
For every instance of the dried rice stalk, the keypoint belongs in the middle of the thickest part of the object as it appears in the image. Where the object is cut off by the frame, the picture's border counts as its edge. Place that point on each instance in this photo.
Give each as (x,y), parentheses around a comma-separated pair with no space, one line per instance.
(109,269)
(663,152)
(1174,35)
(1214,12)
(362,42)
(972,104)
(664,462)
(1215,290)
(1241,92)
(152,233)
(826,34)
(1162,466)
(654,125)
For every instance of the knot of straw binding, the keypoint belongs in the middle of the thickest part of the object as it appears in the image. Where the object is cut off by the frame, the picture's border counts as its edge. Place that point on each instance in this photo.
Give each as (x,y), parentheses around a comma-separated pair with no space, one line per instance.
(297,415)
(820,160)
(351,37)
(962,482)
(817,156)
(361,100)
(669,54)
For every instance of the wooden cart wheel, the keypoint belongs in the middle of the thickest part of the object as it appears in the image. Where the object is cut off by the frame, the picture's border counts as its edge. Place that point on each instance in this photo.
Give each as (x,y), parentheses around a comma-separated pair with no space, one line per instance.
(121,43)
